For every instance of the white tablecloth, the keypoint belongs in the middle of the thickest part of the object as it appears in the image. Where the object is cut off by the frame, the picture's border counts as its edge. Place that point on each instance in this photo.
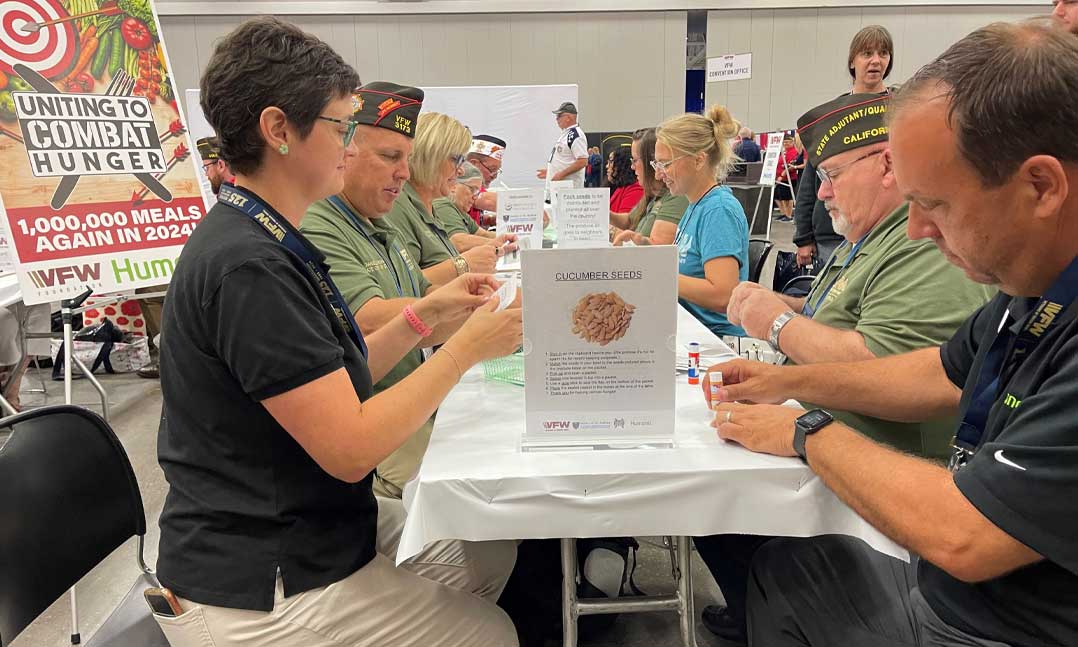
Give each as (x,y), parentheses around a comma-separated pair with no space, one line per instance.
(10,292)
(476,484)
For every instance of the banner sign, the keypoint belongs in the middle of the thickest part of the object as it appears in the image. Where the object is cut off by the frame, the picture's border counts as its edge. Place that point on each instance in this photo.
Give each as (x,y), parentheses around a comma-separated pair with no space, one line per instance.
(771,158)
(97,187)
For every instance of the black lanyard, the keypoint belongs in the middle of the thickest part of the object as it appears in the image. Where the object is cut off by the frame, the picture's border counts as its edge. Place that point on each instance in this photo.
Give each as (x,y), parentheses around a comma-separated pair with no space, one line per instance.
(1007,351)
(343,208)
(691,212)
(250,204)
(808,309)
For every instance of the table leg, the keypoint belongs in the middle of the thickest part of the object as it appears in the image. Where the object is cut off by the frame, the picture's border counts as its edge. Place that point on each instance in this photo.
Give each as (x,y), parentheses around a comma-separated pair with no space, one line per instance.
(569,611)
(684,588)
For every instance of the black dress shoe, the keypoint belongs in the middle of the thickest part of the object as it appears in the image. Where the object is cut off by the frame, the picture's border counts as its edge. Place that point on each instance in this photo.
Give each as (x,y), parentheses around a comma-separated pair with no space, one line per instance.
(720,622)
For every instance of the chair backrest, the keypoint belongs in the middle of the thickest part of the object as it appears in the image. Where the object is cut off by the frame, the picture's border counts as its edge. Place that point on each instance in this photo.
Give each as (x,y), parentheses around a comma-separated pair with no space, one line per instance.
(758,252)
(799,286)
(68,498)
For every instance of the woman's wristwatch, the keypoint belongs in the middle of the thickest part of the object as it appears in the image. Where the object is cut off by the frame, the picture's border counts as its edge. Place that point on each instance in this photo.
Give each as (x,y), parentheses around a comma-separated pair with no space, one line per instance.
(461,264)
(777,325)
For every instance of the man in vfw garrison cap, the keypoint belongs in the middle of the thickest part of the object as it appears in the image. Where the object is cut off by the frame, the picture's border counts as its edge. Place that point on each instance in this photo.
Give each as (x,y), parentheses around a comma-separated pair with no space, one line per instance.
(486,154)
(880,294)
(215,168)
(368,261)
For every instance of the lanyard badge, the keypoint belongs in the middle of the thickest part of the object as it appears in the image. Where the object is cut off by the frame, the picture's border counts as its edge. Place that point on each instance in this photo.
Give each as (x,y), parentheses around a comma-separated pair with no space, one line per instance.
(251,206)
(1006,352)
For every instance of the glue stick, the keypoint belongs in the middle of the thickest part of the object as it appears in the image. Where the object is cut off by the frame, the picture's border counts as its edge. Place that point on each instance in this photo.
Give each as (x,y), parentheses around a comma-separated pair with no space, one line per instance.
(715,378)
(694,363)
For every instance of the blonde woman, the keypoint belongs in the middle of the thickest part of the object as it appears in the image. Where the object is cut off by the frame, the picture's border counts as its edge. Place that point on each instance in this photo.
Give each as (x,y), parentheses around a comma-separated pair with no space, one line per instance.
(692,157)
(438,155)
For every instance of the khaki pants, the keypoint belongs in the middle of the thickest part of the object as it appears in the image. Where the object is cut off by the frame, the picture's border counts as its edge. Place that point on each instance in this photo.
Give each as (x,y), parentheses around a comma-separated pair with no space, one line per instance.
(431,600)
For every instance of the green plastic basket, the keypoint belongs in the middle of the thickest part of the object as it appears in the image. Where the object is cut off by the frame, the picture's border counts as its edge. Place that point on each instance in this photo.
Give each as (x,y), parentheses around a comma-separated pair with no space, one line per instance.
(509,369)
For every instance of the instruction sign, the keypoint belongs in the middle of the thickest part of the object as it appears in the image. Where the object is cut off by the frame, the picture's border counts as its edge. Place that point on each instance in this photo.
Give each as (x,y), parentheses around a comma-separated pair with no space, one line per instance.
(600,353)
(582,217)
(520,212)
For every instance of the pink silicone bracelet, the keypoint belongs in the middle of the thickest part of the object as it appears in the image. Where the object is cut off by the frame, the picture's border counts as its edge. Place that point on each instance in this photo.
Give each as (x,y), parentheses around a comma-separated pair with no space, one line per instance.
(421,329)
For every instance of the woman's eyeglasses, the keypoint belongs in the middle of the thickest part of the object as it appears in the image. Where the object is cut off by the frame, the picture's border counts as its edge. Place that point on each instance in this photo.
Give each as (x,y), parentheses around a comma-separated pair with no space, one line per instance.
(349,128)
(660,167)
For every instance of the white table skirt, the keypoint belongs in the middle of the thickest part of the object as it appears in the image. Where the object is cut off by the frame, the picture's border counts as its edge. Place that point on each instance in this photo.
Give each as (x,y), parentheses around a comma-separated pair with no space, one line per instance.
(475,483)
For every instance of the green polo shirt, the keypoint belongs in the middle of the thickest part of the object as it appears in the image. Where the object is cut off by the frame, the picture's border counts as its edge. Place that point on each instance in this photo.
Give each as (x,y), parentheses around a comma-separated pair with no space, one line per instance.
(453,220)
(664,207)
(365,267)
(421,233)
(901,295)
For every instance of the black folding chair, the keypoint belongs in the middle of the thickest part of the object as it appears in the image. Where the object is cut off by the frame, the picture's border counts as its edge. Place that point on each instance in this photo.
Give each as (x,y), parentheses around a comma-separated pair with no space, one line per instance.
(799,286)
(69,498)
(759,250)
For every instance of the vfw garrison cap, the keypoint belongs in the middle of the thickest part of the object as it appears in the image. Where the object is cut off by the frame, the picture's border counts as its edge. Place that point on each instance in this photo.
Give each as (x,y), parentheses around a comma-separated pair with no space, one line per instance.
(209,149)
(388,105)
(846,123)
(488,145)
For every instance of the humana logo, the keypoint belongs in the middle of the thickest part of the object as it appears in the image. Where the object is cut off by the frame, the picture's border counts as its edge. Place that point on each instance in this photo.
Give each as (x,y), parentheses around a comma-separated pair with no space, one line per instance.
(127,271)
(1011,401)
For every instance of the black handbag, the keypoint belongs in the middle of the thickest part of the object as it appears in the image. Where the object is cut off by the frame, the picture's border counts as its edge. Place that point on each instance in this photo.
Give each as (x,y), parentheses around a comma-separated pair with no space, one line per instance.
(786,269)
(105,333)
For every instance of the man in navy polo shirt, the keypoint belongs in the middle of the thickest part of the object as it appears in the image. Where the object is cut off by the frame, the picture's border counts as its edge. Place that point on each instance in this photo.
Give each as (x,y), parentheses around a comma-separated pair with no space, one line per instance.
(995,534)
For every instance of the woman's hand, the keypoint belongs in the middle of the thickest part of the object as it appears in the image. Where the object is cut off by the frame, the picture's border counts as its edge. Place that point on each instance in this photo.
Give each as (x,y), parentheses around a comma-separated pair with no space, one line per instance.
(487,334)
(456,299)
(632,236)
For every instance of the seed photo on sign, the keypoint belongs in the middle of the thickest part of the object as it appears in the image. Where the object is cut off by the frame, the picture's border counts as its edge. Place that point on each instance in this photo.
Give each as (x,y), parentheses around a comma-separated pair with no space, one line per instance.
(602,317)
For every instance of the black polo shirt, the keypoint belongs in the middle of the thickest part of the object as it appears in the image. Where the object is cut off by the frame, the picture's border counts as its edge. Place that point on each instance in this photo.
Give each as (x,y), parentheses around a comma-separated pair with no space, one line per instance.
(242,323)
(1024,478)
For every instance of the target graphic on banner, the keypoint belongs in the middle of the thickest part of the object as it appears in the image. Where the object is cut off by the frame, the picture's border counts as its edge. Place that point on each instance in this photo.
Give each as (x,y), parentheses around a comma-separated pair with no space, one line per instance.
(49,51)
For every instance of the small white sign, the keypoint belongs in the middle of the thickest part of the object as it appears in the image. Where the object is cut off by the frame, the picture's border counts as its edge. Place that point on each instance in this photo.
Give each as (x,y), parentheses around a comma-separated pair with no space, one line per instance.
(551,196)
(582,217)
(507,293)
(600,329)
(520,212)
(771,159)
(731,67)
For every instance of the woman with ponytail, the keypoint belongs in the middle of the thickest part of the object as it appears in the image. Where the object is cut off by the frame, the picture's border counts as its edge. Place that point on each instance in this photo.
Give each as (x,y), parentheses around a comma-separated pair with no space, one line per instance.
(693,155)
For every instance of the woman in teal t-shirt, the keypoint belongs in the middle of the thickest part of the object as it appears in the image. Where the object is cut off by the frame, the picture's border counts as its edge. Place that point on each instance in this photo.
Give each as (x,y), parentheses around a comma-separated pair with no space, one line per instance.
(693,156)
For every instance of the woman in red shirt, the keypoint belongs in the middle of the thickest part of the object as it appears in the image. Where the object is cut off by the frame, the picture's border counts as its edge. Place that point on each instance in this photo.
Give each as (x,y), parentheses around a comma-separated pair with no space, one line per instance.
(787,178)
(625,191)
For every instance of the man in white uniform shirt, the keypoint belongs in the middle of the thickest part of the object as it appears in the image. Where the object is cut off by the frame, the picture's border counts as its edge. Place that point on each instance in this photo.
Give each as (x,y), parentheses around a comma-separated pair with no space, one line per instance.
(570,154)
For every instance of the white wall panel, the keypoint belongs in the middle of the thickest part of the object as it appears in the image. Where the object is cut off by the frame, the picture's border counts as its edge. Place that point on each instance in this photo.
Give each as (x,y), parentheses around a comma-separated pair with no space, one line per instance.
(385,7)
(630,66)
(799,55)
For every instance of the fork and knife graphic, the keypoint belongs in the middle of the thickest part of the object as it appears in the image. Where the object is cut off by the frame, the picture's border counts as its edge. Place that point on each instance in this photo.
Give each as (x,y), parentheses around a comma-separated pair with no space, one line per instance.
(121,86)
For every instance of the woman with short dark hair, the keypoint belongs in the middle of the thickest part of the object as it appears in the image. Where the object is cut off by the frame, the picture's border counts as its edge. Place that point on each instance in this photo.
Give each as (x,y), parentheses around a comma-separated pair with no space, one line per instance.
(270,533)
